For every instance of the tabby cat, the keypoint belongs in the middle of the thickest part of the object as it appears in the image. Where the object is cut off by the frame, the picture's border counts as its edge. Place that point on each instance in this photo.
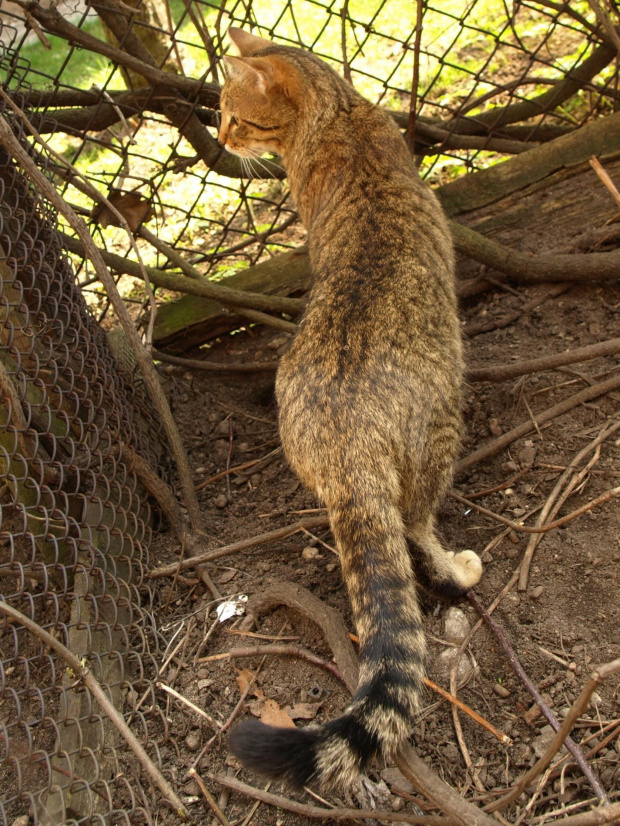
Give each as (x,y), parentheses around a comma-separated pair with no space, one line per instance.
(369,393)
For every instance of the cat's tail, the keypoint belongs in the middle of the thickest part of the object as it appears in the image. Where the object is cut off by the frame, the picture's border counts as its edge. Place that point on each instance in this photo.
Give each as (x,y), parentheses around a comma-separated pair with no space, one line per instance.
(377,570)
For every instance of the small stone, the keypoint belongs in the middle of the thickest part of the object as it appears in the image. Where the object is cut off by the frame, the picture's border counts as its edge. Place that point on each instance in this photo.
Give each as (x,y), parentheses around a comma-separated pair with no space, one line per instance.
(536,592)
(494,427)
(518,511)
(243,447)
(510,467)
(192,741)
(394,777)
(202,685)
(247,623)
(456,625)
(227,576)
(501,690)
(309,553)
(223,428)
(192,789)
(331,567)
(221,501)
(397,804)
(200,470)
(511,553)
(24,820)
(541,743)
(527,456)
(278,342)
(443,665)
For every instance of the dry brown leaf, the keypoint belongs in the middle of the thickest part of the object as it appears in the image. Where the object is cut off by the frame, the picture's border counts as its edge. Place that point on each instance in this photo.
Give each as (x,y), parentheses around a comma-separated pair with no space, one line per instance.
(244,679)
(134,208)
(273,715)
(302,711)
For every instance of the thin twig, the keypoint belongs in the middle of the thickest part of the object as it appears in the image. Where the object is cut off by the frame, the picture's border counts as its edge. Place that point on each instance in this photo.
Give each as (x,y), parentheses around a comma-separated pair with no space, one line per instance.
(550,510)
(84,675)
(216,367)
(490,449)
(547,713)
(561,737)
(209,797)
(502,372)
(600,170)
(413,104)
(321,813)
(242,545)
(279,651)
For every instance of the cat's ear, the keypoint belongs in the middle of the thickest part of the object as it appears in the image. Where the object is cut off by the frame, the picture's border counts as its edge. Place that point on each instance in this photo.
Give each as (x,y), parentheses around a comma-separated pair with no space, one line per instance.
(266,73)
(247,43)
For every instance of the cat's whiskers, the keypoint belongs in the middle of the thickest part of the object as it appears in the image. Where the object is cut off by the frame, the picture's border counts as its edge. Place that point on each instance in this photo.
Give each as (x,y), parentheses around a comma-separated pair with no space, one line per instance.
(256,158)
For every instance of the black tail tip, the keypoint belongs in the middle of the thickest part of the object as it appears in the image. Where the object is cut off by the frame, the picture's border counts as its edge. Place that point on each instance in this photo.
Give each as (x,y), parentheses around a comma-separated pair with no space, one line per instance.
(287,754)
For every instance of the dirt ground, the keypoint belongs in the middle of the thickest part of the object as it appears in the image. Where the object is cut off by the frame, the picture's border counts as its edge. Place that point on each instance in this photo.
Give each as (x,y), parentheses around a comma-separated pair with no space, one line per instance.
(565,623)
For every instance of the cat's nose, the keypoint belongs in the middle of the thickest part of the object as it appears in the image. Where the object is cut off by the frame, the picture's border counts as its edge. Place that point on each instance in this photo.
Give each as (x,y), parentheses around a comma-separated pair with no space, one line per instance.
(222,137)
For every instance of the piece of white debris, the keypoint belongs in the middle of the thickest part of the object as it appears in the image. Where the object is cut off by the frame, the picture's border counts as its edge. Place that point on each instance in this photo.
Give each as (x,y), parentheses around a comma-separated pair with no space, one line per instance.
(234,607)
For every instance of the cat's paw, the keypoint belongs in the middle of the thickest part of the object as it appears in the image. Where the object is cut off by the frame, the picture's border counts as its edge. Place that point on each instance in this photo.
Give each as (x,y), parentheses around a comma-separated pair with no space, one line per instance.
(469,568)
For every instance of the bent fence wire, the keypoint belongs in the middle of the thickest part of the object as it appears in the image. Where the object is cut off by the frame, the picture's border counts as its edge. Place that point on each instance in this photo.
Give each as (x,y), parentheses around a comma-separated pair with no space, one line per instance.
(130,101)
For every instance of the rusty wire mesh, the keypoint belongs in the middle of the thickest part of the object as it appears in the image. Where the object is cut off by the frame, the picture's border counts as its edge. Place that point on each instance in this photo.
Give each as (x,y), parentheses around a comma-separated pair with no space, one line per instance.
(494,79)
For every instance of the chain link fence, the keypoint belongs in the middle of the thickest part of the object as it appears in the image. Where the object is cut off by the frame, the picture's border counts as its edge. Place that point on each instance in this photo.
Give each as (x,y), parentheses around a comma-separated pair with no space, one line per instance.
(128,101)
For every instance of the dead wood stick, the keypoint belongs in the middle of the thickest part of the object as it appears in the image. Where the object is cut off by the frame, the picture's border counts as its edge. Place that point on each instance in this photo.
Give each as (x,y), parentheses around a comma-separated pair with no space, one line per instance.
(143,359)
(219,814)
(158,489)
(242,545)
(337,813)
(333,627)
(503,738)
(578,707)
(551,507)
(521,430)
(278,651)
(451,698)
(328,619)
(217,367)
(541,529)
(84,675)
(535,693)
(443,795)
(192,286)
(533,269)
(595,817)
(477,327)
(502,372)
(600,170)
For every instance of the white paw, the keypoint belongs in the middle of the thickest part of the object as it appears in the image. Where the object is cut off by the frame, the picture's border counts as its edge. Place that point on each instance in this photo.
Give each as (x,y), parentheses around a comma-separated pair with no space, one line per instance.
(470,567)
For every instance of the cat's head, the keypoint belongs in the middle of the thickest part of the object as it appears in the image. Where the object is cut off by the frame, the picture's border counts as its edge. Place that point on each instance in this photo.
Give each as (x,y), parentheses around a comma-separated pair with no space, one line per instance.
(261,97)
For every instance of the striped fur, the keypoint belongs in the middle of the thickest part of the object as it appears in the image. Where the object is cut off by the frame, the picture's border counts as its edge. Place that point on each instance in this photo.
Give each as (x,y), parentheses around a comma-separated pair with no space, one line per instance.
(369,393)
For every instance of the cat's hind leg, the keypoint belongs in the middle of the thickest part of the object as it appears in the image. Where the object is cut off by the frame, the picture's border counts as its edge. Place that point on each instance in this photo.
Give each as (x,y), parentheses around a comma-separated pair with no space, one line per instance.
(442,572)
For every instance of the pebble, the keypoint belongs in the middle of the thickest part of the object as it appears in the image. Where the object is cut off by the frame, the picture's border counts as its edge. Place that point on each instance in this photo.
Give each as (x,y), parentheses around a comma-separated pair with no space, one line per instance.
(309,553)
(394,777)
(536,592)
(443,665)
(192,741)
(510,467)
(331,567)
(24,820)
(223,428)
(277,342)
(456,625)
(501,690)
(494,427)
(220,501)
(541,743)
(227,576)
